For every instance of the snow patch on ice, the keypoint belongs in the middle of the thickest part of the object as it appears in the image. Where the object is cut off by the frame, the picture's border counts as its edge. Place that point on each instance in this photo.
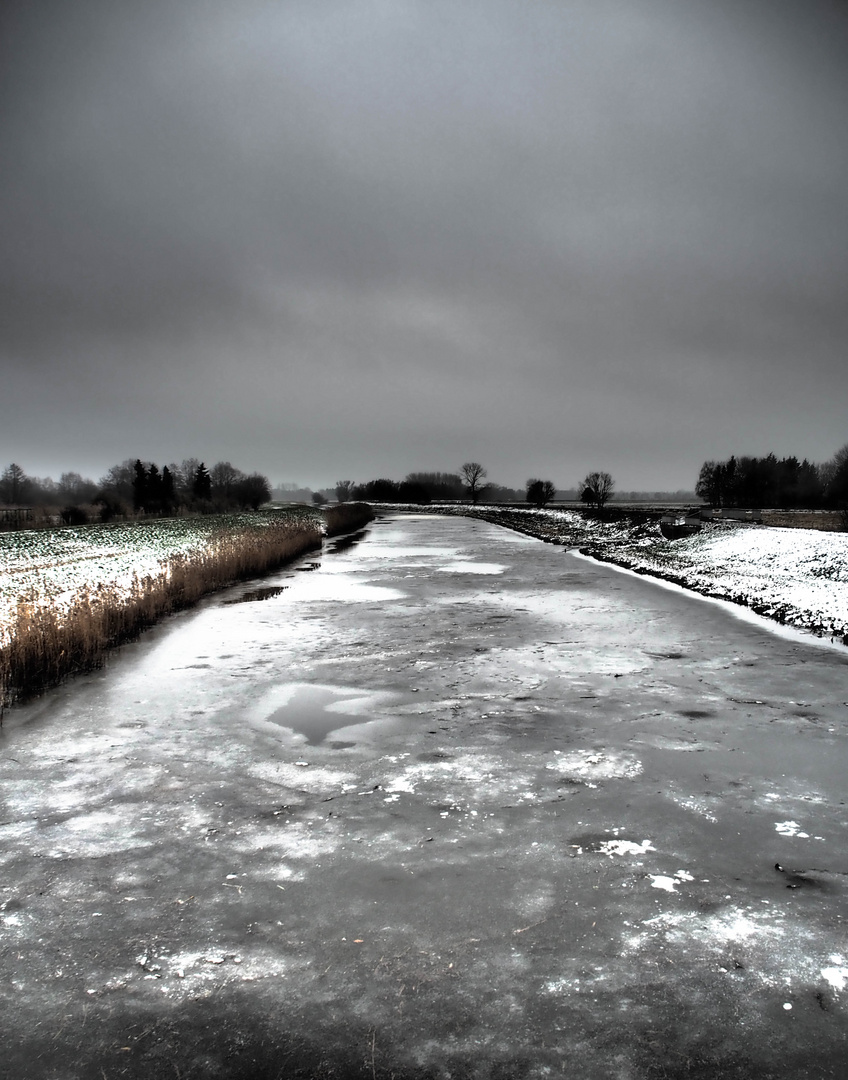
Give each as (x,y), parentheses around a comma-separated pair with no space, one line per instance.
(774,949)
(625,847)
(596,765)
(790,828)
(836,976)
(669,884)
(401,784)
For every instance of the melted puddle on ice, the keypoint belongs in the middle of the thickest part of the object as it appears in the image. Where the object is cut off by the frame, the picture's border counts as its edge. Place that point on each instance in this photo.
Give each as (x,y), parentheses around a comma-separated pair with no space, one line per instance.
(316,711)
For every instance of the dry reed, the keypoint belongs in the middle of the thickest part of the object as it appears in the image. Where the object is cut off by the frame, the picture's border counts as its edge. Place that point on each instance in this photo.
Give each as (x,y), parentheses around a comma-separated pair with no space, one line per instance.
(343,517)
(44,645)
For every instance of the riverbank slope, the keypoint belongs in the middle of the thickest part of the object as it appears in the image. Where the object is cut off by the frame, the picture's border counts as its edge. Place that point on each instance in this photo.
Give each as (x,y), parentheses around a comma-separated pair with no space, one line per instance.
(67,595)
(798,577)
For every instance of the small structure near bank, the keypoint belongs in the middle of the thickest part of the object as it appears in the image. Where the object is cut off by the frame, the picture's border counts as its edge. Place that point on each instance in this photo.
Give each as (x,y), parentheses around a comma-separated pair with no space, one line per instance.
(15,517)
(752,517)
(675,526)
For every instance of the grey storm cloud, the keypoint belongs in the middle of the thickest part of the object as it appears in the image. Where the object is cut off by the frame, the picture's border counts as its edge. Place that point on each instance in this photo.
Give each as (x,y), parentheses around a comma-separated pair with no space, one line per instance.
(319,238)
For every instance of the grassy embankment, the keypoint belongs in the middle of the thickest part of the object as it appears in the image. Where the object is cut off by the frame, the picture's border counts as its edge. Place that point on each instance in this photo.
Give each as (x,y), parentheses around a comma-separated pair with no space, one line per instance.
(49,636)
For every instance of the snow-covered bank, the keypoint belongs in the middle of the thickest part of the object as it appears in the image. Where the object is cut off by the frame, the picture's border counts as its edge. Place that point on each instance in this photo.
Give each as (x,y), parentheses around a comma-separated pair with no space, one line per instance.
(796,576)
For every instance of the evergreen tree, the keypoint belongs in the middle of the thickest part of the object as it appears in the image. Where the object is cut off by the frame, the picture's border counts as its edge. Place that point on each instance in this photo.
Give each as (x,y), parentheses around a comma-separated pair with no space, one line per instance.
(154,490)
(169,494)
(139,486)
(14,485)
(201,486)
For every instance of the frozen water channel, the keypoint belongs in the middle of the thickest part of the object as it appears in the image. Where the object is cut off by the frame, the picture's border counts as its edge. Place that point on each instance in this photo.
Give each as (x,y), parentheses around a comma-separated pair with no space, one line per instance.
(447,802)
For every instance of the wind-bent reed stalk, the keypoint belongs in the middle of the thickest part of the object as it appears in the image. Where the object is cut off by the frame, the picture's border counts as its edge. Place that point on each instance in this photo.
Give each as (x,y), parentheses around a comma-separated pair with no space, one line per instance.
(43,646)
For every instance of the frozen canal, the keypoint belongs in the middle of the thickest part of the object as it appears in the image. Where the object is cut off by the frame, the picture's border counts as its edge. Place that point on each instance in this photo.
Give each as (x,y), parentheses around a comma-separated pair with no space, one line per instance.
(452,803)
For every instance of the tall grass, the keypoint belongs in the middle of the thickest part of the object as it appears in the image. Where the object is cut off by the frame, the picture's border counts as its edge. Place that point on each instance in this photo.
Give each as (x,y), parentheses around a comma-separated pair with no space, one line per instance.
(43,645)
(343,517)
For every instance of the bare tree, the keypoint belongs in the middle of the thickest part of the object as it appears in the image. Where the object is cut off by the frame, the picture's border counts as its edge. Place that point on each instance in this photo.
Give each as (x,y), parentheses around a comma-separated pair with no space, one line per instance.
(118,481)
(73,488)
(343,490)
(252,490)
(473,474)
(224,478)
(596,489)
(836,481)
(540,492)
(840,458)
(184,474)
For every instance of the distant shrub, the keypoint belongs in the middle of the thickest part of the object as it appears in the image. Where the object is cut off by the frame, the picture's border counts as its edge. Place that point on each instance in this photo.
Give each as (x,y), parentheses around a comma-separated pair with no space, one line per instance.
(110,507)
(74,515)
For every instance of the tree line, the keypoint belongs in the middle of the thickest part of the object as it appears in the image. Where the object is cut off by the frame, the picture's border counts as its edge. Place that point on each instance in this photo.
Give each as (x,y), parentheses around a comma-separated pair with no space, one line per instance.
(422,488)
(136,487)
(779,483)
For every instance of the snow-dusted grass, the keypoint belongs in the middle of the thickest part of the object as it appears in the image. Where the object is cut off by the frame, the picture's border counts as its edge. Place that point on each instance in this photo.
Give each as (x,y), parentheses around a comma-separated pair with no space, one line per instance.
(795,576)
(49,567)
(66,595)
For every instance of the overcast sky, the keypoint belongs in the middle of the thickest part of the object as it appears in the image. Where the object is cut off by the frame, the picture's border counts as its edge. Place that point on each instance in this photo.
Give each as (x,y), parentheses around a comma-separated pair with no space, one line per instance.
(330,239)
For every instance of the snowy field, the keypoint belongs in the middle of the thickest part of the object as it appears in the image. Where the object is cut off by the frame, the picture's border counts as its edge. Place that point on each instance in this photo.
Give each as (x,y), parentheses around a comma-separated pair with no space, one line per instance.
(795,576)
(52,567)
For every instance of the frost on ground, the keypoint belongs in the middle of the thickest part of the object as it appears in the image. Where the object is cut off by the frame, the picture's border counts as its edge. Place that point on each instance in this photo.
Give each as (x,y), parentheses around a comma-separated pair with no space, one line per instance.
(795,576)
